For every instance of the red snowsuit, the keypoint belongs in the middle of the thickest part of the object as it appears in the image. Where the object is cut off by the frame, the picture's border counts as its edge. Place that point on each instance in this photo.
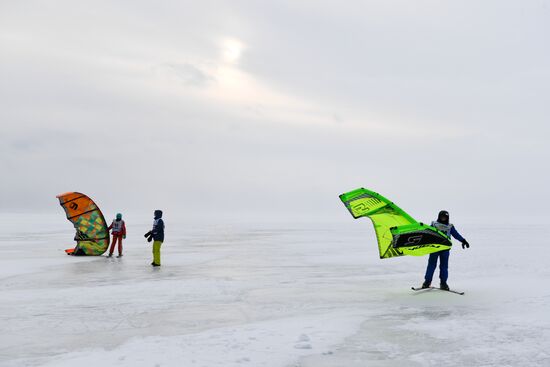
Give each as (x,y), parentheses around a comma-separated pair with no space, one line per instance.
(119,231)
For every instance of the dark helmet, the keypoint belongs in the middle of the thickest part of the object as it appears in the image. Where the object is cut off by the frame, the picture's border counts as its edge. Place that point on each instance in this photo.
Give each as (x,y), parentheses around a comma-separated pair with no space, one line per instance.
(443,217)
(158,214)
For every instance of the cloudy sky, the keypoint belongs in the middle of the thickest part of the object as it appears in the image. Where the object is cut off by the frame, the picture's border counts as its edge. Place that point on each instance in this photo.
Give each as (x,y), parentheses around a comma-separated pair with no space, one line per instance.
(254,109)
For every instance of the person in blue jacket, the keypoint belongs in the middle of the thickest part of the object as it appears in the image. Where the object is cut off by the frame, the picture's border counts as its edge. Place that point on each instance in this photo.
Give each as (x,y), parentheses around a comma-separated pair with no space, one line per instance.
(156,234)
(442,224)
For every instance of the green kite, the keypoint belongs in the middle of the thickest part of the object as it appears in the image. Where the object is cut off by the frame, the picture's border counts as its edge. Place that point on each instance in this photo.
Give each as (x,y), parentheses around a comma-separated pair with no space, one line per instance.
(397,232)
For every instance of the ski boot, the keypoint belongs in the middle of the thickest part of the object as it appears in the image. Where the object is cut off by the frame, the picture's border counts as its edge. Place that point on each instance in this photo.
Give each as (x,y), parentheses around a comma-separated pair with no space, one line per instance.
(444,286)
(119,255)
(110,255)
(426,285)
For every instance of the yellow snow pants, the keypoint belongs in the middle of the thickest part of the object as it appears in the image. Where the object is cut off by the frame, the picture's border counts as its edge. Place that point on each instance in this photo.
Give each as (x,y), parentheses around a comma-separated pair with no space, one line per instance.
(156,252)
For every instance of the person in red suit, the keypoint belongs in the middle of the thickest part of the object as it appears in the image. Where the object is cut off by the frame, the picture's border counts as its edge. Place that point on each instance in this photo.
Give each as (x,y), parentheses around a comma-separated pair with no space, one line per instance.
(119,232)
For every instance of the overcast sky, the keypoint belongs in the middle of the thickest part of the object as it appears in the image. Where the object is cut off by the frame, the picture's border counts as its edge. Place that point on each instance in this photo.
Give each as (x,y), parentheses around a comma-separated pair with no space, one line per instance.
(254,108)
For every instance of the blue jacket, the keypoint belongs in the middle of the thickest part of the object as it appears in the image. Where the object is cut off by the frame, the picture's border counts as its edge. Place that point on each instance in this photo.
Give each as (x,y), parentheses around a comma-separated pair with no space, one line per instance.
(456,235)
(158,230)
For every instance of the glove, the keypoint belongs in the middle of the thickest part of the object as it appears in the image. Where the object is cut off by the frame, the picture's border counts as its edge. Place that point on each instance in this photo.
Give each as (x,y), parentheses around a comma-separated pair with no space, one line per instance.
(465,244)
(148,234)
(124,236)
(150,238)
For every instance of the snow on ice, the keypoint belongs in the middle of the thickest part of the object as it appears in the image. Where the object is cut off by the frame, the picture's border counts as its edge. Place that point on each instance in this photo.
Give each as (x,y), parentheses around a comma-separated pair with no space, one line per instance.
(308,295)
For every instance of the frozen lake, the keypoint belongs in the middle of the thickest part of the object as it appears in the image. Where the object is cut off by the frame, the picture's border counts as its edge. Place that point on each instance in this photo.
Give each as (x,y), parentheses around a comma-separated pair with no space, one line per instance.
(308,295)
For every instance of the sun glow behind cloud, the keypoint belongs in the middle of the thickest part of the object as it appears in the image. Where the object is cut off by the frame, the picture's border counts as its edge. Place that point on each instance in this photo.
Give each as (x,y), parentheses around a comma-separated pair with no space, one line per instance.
(232,50)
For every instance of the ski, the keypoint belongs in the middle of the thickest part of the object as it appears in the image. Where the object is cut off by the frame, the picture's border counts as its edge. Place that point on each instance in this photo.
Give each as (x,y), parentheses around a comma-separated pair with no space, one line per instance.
(444,290)
(422,289)
(452,291)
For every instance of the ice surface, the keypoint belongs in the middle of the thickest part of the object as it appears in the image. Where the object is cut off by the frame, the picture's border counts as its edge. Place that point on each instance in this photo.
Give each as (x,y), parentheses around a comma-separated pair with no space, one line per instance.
(273,294)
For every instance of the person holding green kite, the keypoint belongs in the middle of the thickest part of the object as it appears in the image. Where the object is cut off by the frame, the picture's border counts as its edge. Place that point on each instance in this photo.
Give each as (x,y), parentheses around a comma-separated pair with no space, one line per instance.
(443,225)
(399,234)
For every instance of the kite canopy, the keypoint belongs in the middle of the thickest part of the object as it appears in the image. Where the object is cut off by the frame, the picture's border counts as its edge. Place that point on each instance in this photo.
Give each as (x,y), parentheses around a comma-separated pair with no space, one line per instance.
(397,232)
(92,235)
